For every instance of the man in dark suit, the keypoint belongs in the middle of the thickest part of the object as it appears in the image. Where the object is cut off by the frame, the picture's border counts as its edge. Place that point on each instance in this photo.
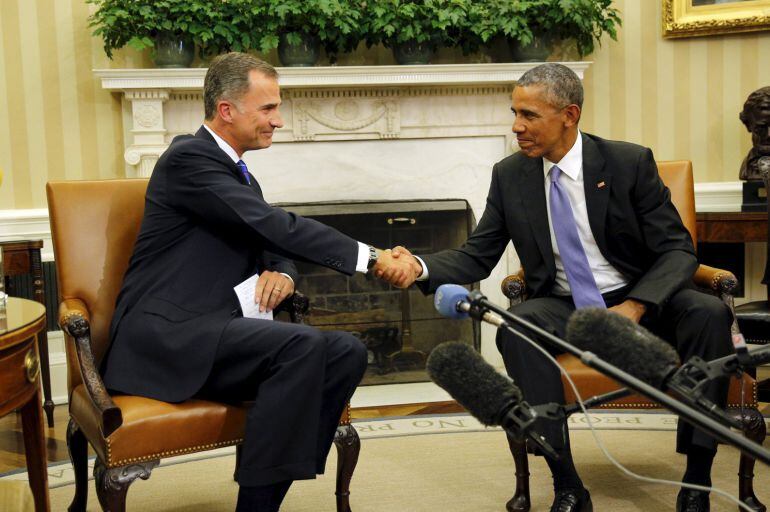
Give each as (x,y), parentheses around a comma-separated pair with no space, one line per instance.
(593,225)
(178,332)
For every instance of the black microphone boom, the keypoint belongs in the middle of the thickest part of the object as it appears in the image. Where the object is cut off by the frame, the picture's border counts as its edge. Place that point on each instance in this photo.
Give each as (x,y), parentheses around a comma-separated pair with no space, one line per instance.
(685,411)
(631,347)
(490,397)
(621,342)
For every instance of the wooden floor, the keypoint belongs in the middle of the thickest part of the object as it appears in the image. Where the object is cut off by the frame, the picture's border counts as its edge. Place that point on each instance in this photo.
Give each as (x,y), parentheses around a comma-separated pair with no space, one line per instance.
(12,440)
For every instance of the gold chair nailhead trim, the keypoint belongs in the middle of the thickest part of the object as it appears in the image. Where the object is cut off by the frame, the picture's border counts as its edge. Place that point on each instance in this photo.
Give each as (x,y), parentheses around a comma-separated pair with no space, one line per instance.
(171,453)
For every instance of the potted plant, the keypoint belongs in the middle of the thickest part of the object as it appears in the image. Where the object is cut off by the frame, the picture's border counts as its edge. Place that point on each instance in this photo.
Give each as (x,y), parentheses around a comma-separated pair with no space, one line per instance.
(298,28)
(584,21)
(414,29)
(490,20)
(162,25)
(226,25)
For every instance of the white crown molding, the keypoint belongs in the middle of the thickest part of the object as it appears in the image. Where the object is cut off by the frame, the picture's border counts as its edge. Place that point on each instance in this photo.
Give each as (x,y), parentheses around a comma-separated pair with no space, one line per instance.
(334,76)
(718,196)
(29,224)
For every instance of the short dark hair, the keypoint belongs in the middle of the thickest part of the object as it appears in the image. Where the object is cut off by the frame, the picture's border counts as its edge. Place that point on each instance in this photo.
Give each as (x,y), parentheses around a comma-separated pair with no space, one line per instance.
(756,100)
(562,85)
(228,78)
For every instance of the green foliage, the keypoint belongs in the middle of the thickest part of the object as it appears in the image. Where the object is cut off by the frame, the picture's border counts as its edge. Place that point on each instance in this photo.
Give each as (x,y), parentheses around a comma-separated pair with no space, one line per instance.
(582,20)
(436,22)
(336,23)
(217,26)
(213,25)
(494,18)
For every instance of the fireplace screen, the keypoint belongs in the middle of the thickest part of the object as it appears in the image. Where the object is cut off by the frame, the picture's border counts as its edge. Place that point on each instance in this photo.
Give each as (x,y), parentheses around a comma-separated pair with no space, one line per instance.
(399,327)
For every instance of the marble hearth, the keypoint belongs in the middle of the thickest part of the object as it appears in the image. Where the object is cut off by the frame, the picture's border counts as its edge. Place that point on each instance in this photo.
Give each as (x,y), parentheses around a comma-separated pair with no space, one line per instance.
(352,133)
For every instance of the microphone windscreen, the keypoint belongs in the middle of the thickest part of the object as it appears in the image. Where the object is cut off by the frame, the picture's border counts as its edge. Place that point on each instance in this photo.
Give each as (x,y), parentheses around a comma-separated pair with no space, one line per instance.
(623,343)
(473,382)
(446,298)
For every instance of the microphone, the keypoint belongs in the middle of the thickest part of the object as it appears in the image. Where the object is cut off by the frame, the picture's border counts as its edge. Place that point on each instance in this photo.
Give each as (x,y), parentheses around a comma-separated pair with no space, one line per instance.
(624,344)
(634,349)
(489,396)
(452,301)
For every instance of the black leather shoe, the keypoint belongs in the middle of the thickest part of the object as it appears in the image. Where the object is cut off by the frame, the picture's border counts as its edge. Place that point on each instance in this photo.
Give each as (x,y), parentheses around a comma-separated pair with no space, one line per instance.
(690,500)
(572,500)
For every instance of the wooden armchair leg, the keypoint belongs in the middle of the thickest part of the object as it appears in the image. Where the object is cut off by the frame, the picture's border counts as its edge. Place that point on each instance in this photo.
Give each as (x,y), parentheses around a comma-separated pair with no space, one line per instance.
(754,428)
(112,483)
(348,446)
(520,501)
(78,450)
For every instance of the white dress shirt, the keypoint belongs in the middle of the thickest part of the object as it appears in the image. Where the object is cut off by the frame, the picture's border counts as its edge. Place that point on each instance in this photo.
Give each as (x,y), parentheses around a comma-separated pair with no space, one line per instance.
(363,249)
(607,277)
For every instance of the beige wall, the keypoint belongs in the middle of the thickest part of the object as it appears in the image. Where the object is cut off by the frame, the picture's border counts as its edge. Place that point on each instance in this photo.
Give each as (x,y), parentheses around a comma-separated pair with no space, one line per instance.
(680,97)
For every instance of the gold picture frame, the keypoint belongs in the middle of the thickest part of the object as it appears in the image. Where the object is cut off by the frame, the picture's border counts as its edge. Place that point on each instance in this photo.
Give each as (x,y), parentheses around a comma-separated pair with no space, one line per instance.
(688,18)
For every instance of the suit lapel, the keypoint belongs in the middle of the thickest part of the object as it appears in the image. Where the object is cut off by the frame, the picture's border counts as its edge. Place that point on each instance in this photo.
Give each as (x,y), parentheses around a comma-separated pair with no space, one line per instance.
(532,188)
(204,134)
(596,183)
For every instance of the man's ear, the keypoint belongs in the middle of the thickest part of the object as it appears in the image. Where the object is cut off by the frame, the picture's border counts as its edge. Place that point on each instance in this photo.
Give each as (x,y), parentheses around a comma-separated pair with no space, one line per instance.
(225,110)
(571,115)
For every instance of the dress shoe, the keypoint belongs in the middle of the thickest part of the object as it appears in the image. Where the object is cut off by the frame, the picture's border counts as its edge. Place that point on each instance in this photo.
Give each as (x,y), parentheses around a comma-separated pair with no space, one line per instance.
(690,500)
(572,500)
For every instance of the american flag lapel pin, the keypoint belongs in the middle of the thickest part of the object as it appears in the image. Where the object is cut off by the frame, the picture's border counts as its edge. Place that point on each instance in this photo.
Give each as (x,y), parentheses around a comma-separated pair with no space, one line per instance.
(601,184)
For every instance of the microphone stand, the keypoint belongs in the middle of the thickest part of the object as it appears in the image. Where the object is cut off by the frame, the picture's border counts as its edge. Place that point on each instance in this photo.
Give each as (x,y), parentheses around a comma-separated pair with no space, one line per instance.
(481,305)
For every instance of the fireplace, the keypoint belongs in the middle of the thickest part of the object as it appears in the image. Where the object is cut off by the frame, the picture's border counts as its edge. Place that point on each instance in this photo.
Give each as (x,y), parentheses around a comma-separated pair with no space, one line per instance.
(353,133)
(399,327)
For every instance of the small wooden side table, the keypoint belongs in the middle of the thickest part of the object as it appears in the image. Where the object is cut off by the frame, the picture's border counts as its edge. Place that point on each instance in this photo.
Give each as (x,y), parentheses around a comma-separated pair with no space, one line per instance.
(23,257)
(20,328)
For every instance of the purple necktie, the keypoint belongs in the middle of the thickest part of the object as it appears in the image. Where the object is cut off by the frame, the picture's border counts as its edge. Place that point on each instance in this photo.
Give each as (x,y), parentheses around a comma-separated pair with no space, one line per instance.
(245,171)
(581,281)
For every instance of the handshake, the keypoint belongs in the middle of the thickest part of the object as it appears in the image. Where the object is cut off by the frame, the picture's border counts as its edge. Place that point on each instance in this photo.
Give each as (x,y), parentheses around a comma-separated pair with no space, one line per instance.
(398,267)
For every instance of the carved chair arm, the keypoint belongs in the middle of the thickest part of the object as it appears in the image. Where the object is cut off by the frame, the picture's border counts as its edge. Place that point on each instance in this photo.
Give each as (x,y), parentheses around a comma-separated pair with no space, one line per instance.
(722,284)
(297,306)
(73,319)
(716,280)
(514,287)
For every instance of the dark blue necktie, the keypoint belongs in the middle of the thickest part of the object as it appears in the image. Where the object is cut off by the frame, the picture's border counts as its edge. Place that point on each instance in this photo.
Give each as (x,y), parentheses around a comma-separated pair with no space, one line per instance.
(245,171)
(581,280)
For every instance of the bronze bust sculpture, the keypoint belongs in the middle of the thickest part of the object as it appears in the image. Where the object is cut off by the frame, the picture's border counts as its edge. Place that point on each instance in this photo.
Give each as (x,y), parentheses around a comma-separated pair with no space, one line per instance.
(756,116)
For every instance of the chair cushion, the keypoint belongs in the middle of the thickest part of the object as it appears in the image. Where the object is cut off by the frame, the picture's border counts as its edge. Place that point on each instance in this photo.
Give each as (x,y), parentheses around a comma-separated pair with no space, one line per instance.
(754,321)
(153,429)
(590,382)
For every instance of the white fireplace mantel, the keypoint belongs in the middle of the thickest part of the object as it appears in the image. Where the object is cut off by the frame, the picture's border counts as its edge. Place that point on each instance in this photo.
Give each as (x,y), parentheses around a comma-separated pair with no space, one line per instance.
(368,102)
(333,76)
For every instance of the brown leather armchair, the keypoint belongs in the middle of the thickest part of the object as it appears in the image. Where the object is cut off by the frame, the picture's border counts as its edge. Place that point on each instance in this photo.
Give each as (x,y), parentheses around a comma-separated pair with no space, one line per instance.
(94,225)
(742,396)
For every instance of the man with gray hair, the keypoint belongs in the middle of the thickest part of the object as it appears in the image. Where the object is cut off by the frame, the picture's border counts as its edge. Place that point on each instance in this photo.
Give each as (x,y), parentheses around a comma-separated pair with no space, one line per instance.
(178,331)
(593,226)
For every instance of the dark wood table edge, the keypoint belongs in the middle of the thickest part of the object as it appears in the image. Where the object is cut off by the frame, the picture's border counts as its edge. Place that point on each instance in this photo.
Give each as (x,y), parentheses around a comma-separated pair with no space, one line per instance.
(31,414)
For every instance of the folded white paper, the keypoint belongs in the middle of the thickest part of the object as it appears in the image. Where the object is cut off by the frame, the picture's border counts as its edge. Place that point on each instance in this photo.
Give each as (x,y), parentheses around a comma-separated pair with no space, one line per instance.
(245,292)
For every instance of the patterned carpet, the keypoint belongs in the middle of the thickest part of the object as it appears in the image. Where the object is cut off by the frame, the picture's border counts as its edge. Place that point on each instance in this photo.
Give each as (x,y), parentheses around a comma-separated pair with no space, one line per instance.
(445,463)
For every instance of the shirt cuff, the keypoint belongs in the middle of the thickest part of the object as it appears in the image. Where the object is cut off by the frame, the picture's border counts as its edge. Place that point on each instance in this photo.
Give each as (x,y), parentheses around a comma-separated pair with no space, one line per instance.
(363,258)
(424,275)
(287,275)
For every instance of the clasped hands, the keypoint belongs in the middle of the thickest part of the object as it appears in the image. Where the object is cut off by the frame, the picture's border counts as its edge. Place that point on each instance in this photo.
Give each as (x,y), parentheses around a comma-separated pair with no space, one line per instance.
(398,267)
